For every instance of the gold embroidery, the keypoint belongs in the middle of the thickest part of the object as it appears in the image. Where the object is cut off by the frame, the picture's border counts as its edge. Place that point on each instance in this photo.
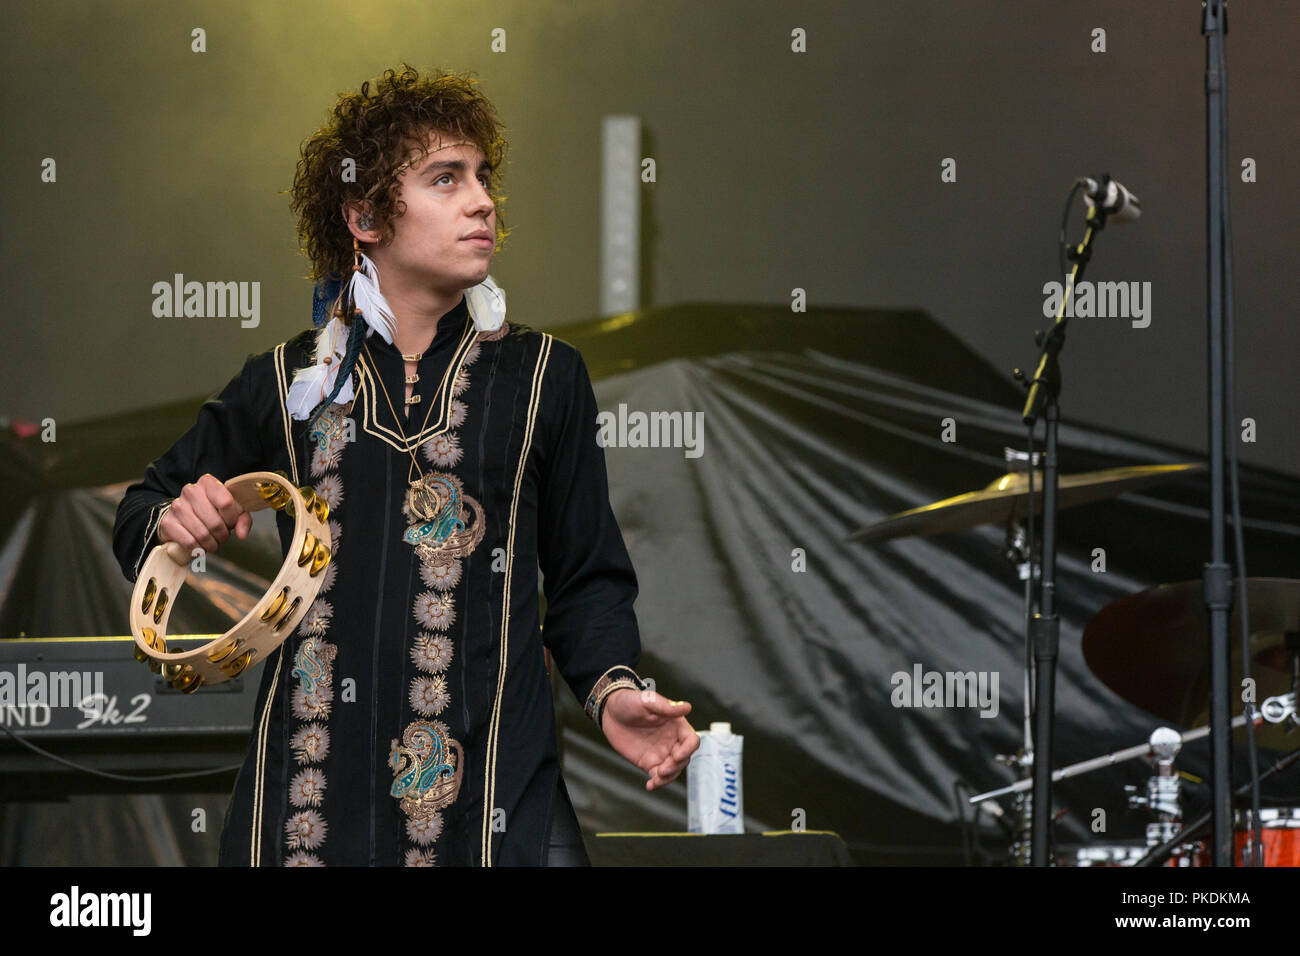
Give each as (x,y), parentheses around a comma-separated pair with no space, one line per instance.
(489,768)
(368,394)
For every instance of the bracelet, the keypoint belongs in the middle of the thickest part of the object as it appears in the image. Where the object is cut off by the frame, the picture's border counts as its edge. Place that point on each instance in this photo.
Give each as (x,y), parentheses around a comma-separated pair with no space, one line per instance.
(151,529)
(615,678)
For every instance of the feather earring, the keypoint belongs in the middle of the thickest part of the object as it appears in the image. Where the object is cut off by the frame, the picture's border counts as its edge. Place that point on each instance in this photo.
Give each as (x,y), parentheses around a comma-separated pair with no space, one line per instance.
(339,342)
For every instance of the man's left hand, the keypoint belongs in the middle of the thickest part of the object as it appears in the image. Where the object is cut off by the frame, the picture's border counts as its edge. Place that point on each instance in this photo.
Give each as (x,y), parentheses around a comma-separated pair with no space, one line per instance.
(650,731)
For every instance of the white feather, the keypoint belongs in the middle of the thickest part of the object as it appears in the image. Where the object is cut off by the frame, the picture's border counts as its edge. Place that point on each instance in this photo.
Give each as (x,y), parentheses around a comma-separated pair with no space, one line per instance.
(487,305)
(375,309)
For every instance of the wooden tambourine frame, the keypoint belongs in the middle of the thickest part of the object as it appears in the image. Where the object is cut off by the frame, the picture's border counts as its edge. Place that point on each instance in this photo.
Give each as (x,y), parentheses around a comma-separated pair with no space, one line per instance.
(271,620)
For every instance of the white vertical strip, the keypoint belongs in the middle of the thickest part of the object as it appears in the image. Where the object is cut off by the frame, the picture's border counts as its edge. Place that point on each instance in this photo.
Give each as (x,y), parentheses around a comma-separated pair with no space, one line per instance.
(620,214)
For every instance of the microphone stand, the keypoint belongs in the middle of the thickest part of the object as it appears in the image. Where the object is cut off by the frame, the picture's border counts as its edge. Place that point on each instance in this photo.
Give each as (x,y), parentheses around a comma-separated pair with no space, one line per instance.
(1045,628)
(1217,575)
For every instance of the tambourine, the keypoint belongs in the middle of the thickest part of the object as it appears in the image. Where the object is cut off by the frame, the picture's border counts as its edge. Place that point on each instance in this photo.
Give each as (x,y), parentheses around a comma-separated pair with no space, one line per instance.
(271,620)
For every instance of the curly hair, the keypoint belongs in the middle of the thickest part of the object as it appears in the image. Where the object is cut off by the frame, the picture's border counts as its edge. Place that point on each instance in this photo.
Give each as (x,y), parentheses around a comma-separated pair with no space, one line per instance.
(382,132)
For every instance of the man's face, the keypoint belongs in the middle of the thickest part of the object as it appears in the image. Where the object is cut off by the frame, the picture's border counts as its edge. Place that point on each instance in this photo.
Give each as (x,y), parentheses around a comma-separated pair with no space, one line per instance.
(447,202)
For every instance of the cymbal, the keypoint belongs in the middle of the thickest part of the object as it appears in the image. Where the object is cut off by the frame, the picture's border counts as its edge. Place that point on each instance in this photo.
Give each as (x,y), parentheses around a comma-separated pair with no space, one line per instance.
(1152,648)
(1008,496)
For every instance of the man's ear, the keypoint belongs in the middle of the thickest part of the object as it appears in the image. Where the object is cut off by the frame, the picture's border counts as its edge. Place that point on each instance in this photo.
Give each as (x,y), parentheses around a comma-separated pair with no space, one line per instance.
(353,213)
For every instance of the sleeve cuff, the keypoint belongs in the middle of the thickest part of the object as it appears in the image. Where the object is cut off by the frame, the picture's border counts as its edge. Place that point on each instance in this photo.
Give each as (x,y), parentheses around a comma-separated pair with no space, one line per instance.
(613,679)
(155,518)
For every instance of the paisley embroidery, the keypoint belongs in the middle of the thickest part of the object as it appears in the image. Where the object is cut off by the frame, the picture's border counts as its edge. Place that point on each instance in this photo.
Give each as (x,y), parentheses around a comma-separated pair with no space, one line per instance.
(427,767)
(307,668)
(331,431)
(441,527)
(313,664)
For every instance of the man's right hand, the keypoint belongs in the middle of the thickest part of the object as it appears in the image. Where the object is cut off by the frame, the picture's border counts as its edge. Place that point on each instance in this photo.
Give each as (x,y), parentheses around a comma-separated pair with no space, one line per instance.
(203,516)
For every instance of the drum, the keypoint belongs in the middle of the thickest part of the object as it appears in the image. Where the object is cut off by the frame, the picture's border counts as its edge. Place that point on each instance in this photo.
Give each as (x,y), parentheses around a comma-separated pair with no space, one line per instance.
(1100,854)
(1127,854)
(1279,834)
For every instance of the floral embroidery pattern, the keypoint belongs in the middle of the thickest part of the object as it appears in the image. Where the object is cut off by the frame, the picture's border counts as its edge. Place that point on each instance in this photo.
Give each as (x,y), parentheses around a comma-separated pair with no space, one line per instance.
(445,525)
(431,653)
(310,744)
(313,665)
(429,695)
(307,788)
(306,829)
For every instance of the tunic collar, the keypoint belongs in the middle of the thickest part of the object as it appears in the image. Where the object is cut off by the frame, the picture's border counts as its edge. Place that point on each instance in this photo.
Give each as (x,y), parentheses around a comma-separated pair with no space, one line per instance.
(450,327)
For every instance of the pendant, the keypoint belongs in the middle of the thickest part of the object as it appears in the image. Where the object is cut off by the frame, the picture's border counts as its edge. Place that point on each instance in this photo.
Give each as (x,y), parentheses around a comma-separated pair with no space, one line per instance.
(445,522)
(426,497)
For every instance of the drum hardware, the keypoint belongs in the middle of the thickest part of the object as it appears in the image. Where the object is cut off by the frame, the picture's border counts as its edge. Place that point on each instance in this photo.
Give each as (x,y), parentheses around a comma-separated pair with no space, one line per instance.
(1197,829)
(1006,500)
(1164,787)
(1108,760)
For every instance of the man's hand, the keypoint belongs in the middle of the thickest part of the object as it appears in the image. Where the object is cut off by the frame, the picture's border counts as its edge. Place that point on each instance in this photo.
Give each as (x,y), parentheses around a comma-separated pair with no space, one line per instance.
(203,515)
(650,731)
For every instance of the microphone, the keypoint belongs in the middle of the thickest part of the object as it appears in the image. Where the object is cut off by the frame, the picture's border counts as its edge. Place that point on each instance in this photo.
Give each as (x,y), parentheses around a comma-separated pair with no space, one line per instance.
(1116,201)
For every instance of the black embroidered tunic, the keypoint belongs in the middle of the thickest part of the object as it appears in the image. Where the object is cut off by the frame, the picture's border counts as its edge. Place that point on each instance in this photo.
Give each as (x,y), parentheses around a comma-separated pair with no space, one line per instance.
(408,720)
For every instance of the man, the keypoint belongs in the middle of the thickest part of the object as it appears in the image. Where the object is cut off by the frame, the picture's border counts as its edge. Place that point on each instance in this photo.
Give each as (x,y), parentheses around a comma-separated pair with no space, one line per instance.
(408,719)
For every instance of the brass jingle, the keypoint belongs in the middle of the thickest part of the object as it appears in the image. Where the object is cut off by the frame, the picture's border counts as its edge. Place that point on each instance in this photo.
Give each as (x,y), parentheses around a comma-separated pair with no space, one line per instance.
(319,560)
(308,495)
(190,685)
(140,655)
(219,654)
(275,605)
(151,637)
(172,670)
(280,498)
(321,509)
(236,666)
(150,591)
(268,489)
(288,615)
(308,547)
(161,606)
(155,666)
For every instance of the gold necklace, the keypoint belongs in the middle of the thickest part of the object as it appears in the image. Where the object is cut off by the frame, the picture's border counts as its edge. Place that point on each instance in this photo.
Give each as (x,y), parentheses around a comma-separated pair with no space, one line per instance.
(421,499)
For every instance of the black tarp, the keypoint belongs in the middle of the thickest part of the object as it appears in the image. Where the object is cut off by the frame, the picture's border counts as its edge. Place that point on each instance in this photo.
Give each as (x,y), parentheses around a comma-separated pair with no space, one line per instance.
(814,424)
